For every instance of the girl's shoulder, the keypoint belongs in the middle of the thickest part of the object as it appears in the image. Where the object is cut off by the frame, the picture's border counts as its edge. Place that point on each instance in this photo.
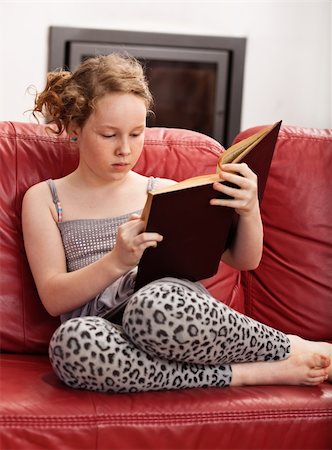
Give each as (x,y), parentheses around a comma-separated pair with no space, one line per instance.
(37,200)
(37,191)
(153,182)
(163,182)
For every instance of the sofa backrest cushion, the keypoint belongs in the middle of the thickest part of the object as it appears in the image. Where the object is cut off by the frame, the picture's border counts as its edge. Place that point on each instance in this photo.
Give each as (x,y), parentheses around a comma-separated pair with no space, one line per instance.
(292,288)
(30,154)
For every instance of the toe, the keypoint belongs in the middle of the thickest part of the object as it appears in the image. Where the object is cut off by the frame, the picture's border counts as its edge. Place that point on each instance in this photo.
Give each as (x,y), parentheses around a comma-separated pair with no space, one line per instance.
(320,361)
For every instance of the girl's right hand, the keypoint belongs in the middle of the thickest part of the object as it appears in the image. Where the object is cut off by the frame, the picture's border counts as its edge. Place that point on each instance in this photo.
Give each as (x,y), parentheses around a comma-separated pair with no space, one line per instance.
(132,241)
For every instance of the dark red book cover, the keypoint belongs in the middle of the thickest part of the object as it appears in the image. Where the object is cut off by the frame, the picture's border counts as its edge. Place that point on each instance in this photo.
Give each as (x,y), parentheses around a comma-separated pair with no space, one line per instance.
(195,233)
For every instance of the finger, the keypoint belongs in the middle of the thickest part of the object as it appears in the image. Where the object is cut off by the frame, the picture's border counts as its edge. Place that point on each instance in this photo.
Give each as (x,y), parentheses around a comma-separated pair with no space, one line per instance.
(235,204)
(235,191)
(146,244)
(129,230)
(242,168)
(239,178)
(148,237)
(239,199)
(134,217)
(237,173)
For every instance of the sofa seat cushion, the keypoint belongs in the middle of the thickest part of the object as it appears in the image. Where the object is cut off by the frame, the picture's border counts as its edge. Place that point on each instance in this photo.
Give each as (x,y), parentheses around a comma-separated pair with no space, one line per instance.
(36,408)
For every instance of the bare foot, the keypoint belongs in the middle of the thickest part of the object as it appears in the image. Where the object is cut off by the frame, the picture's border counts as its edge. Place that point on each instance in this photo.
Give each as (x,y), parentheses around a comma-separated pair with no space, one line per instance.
(299,346)
(308,369)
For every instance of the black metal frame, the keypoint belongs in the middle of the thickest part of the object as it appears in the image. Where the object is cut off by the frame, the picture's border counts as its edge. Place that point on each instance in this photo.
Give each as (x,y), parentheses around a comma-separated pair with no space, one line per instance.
(61,38)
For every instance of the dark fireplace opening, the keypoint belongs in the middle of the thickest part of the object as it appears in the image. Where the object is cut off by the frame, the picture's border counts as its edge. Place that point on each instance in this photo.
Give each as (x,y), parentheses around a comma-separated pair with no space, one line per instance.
(185,94)
(196,81)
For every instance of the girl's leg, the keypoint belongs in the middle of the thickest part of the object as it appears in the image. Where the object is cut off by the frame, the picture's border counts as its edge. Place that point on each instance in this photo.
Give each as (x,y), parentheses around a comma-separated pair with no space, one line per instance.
(91,353)
(179,321)
(308,369)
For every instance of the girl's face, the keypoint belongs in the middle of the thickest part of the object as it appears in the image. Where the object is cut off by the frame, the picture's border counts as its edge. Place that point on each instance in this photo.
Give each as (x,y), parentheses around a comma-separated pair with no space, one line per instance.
(112,138)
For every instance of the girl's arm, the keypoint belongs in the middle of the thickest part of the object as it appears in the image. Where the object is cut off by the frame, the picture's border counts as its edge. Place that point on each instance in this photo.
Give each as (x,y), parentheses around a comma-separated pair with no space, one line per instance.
(246,250)
(62,291)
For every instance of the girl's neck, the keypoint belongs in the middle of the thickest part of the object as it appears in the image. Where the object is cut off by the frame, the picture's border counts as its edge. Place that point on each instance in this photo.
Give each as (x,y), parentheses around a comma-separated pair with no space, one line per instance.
(81,180)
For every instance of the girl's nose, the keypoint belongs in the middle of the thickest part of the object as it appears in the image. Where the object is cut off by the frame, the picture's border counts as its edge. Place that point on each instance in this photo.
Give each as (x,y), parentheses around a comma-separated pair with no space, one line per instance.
(124,147)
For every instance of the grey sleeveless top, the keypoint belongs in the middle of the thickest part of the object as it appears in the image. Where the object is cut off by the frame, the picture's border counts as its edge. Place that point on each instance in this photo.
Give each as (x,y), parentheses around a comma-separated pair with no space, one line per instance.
(87,240)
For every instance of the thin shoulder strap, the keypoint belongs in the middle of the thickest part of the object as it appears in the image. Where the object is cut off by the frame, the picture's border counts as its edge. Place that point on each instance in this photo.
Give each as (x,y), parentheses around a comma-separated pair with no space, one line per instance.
(152,183)
(55,198)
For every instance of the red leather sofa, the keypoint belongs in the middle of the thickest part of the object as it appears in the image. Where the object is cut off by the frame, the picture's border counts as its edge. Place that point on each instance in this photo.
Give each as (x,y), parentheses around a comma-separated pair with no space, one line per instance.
(291,290)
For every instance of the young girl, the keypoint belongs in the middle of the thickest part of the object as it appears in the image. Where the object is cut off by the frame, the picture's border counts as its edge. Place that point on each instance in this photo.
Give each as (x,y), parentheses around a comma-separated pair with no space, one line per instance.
(87,229)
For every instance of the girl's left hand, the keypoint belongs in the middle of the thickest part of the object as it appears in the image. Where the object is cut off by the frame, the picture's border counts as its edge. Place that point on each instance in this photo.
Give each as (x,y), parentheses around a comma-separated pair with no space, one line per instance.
(244,198)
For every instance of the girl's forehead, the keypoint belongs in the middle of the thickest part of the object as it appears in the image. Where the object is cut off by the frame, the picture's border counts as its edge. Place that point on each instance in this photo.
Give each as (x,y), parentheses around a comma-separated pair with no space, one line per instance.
(113,105)
(119,97)
(115,110)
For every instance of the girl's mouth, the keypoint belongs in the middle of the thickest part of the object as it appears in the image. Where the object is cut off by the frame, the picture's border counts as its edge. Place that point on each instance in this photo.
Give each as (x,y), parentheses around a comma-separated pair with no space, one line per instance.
(120,166)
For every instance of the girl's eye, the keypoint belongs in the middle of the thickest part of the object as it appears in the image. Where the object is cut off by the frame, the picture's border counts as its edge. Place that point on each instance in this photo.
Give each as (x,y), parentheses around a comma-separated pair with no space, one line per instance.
(108,135)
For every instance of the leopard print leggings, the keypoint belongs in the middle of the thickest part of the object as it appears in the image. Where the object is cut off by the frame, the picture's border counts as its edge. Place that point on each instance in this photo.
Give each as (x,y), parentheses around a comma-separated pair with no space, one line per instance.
(173,336)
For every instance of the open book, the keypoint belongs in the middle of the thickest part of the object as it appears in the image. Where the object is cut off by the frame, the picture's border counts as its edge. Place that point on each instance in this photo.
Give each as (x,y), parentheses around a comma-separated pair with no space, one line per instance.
(196,233)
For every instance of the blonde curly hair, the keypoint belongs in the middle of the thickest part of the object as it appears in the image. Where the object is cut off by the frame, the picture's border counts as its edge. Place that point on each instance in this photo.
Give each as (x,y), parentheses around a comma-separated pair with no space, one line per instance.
(70,98)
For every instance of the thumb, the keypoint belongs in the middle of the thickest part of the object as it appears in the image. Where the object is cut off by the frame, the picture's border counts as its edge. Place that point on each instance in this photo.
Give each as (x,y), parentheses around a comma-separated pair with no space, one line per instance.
(134,217)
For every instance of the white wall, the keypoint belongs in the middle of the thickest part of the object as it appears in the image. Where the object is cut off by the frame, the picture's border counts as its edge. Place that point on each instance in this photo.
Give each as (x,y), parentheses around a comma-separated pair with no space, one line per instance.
(288,61)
